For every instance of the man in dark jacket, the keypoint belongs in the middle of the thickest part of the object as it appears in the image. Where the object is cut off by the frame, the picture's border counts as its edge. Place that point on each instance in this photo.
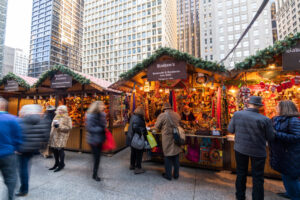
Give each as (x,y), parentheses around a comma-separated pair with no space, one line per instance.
(10,140)
(252,130)
(35,135)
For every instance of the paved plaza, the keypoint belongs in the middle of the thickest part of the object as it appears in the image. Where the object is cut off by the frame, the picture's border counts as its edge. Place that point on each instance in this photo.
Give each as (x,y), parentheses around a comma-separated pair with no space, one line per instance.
(75,183)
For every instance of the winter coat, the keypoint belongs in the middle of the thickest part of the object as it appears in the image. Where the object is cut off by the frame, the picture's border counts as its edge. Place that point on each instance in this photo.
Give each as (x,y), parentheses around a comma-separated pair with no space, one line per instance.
(163,124)
(285,150)
(59,136)
(137,125)
(35,133)
(252,130)
(95,126)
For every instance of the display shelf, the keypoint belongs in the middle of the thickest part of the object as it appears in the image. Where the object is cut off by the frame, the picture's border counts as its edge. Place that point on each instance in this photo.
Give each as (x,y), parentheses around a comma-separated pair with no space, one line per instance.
(200,136)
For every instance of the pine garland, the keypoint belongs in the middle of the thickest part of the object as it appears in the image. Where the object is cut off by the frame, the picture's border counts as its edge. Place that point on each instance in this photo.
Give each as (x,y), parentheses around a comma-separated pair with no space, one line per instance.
(267,55)
(10,76)
(59,68)
(197,62)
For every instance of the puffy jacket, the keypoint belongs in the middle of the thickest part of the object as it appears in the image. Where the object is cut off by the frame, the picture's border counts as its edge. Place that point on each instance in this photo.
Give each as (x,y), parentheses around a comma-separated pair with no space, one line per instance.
(285,150)
(35,133)
(95,126)
(137,125)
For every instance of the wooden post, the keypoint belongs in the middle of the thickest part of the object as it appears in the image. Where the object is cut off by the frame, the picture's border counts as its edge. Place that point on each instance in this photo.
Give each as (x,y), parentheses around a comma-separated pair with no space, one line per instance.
(56,98)
(18,107)
(82,117)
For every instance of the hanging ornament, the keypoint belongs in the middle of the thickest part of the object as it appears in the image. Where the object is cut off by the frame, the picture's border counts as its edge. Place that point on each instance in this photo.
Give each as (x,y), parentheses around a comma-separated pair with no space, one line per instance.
(279,88)
(262,85)
(284,85)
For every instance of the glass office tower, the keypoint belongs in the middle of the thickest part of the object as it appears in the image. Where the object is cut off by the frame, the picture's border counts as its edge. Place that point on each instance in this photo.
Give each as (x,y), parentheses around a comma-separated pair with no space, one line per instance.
(56,35)
(3,11)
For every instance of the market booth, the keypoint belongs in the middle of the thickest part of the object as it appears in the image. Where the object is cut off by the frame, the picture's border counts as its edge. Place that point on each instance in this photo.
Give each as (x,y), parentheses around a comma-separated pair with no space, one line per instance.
(194,89)
(274,74)
(14,89)
(62,86)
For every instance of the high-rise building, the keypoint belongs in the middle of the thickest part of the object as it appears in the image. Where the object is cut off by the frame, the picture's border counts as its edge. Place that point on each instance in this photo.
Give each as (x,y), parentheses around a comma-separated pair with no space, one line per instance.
(274,23)
(3,11)
(21,62)
(223,22)
(287,17)
(56,35)
(8,60)
(188,26)
(119,34)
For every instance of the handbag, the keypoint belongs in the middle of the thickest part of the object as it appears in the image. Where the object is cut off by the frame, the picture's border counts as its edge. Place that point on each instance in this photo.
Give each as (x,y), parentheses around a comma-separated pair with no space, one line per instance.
(138,142)
(151,140)
(109,143)
(176,135)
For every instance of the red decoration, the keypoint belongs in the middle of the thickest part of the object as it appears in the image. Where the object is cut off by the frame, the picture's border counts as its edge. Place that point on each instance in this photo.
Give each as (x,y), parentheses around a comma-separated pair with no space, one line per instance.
(289,84)
(219,108)
(262,85)
(293,81)
(279,88)
(284,85)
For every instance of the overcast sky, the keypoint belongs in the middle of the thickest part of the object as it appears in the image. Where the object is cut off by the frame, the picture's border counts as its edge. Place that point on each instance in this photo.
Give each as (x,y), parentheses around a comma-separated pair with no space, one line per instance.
(18,24)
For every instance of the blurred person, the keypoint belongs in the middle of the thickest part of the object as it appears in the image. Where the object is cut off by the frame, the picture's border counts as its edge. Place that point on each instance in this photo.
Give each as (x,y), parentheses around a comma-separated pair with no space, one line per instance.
(251,130)
(48,116)
(60,131)
(137,125)
(187,115)
(165,123)
(285,150)
(10,141)
(34,136)
(95,126)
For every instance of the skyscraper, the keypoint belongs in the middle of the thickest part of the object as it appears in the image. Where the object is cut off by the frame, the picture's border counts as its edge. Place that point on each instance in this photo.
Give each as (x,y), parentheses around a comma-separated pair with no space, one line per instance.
(21,62)
(287,17)
(274,23)
(222,23)
(8,60)
(3,11)
(188,26)
(56,35)
(118,34)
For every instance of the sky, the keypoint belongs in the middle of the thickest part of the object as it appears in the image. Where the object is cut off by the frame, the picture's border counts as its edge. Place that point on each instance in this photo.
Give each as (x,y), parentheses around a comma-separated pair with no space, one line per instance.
(18,24)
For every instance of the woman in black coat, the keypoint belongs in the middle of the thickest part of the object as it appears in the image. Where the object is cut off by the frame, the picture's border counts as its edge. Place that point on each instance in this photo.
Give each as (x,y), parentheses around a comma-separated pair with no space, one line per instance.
(95,126)
(285,150)
(137,125)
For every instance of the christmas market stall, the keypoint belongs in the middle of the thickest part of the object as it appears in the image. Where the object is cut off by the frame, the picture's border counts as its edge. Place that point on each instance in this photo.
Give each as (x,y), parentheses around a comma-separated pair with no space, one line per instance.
(274,74)
(14,89)
(194,89)
(63,86)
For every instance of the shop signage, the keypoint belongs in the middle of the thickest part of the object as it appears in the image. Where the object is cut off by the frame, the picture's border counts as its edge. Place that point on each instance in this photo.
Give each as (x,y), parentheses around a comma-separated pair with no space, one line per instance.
(167,70)
(11,86)
(291,58)
(61,81)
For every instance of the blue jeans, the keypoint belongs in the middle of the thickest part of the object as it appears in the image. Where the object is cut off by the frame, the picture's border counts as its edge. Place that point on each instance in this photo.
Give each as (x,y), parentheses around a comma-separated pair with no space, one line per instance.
(292,187)
(24,160)
(8,166)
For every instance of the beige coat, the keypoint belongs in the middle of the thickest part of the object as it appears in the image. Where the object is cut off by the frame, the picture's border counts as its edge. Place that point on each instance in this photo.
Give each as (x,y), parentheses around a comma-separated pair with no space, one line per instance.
(163,124)
(59,136)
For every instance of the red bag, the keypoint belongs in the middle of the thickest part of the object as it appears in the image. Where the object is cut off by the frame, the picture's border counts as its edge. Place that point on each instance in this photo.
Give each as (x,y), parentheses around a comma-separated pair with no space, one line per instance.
(109,143)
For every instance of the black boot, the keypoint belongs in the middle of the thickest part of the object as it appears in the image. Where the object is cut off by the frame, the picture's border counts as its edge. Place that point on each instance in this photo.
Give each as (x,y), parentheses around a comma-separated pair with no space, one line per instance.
(96,178)
(60,167)
(56,156)
(54,167)
(62,160)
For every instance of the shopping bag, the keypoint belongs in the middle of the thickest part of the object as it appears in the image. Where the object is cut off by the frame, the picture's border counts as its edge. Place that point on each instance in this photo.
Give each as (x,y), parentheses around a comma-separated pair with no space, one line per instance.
(109,143)
(151,140)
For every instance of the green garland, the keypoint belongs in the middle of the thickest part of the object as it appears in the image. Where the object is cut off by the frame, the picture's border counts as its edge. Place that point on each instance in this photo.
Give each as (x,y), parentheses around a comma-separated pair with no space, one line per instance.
(267,55)
(248,82)
(59,68)
(197,62)
(19,80)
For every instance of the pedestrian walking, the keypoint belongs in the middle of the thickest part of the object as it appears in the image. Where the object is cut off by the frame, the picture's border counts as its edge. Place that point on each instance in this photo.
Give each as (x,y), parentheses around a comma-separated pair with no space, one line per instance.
(10,140)
(137,126)
(60,130)
(48,116)
(34,136)
(95,125)
(285,149)
(165,123)
(251,130)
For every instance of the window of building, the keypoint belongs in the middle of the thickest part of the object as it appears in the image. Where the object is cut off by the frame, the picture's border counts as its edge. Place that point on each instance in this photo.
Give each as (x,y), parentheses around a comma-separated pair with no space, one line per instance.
(256,42)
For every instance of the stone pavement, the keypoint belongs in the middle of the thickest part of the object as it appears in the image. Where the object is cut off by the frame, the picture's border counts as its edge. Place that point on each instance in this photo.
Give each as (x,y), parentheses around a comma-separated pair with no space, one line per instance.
(75,183)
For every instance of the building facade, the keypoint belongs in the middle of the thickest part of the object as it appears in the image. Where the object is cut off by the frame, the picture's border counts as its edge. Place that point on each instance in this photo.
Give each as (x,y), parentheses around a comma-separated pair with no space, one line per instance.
(274,23)
(119,34)
(188,26)
(223,22)
(8,60)
(3,12)
(21,62)
(288,17)
(56,35)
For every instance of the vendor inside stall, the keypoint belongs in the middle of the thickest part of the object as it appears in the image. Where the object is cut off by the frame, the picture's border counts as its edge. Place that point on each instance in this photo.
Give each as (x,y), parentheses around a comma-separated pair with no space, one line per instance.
(187,114)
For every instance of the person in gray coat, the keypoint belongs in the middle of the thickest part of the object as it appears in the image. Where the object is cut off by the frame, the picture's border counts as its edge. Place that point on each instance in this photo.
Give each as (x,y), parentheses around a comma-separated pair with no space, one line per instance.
(252,130)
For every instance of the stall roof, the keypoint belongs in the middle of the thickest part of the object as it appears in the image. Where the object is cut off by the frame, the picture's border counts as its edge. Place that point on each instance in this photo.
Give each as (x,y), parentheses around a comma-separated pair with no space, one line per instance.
(271,54)
(197,62)
(23,81)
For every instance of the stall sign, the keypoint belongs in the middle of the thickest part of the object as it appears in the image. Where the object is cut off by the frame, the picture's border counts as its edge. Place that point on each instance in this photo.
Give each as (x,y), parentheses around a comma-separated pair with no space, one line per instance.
(167,70)
(291,58)
(61,81)
(11,86)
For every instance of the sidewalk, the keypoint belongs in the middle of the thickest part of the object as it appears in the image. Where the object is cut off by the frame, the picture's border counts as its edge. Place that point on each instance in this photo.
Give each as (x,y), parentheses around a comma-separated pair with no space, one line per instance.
(75,183)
